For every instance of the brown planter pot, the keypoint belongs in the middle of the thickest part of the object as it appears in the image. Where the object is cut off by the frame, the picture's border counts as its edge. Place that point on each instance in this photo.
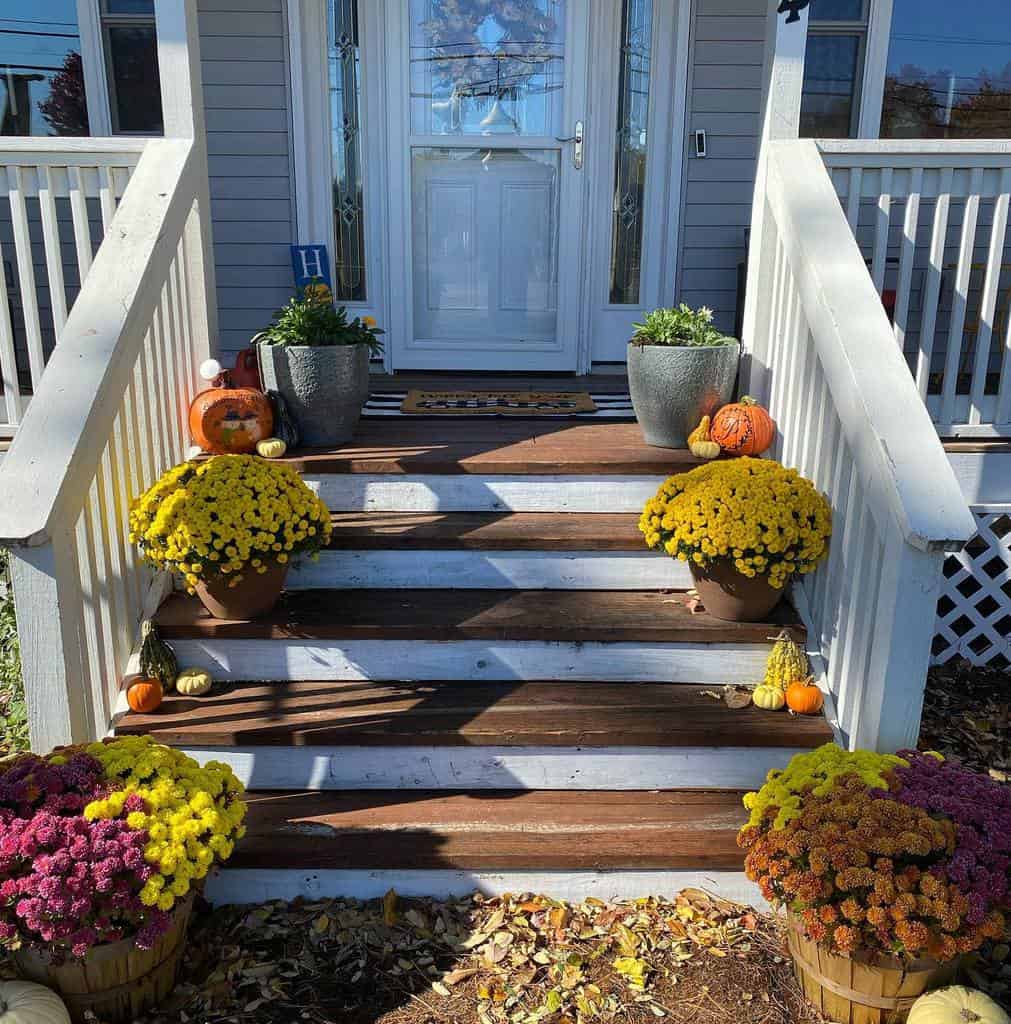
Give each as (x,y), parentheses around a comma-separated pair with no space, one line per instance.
(863,990)
(254,595)
(116,981)
(726,594)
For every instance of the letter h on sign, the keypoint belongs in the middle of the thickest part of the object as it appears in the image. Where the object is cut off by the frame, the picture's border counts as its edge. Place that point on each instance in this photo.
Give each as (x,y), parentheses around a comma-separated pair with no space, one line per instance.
(310,263)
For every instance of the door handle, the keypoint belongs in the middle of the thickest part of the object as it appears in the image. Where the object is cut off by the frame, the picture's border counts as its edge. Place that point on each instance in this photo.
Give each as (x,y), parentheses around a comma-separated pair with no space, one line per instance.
(577,140)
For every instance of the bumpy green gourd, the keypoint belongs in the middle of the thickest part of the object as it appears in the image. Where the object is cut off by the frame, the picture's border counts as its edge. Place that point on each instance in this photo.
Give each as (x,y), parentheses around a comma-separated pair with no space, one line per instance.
(786,664)
(157,659)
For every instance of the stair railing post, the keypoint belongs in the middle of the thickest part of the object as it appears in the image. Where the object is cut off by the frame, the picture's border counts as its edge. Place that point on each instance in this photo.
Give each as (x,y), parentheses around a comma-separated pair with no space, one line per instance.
(183,116)
(783,86)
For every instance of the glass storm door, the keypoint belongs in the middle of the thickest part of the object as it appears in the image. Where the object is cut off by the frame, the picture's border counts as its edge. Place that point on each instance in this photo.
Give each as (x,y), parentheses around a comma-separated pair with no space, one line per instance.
(491,180)
(525,169)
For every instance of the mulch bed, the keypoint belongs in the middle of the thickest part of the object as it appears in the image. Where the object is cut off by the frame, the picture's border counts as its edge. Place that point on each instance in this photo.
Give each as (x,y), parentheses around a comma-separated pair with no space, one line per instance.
(500,960)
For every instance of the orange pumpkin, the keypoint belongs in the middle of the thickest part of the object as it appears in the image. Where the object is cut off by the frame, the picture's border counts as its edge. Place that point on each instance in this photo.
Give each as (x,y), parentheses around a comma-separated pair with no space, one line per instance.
(804,697)
(229,421)
(743,428)
(145,695)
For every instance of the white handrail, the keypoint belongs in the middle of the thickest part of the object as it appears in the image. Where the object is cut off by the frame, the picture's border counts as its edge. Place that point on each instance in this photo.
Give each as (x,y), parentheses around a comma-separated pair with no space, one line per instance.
(823,356)
(55,453)
(107,418)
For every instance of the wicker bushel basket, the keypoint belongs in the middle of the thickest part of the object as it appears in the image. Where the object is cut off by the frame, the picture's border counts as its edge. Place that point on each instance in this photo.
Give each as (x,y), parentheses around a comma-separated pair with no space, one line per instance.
(854,991)
(116,981)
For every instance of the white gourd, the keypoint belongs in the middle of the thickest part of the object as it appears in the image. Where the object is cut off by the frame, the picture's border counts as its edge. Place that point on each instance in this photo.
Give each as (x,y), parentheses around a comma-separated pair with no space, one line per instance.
(194,682)
(956,1005)
(24,1002)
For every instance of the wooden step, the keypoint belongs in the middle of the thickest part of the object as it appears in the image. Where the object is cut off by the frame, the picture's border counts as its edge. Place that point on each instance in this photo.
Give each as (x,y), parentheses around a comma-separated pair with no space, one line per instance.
(485,531)
(482,550)
(455,714)
(492,830)
(456,615)
(497,447)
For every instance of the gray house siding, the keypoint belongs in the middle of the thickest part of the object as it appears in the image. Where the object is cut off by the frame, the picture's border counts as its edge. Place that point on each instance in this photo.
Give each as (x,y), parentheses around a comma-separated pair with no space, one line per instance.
(727,56)
(244,53)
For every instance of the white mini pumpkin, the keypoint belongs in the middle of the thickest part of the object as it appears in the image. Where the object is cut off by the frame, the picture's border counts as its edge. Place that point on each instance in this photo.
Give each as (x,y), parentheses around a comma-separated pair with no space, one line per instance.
(956,1005)
(24,1002)
(193,682)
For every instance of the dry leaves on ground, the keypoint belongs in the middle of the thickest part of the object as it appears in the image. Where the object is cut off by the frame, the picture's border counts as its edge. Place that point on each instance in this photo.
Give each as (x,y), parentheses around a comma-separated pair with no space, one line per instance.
(500,960)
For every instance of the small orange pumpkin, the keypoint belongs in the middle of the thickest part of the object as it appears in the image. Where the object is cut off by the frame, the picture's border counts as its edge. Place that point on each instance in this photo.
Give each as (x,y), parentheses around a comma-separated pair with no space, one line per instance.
(804,697)
(145,695)
(229,421)
(743,428)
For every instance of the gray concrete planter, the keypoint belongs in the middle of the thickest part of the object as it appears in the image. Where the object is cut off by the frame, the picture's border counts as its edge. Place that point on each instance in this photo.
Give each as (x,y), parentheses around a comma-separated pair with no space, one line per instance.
(325,388)
(672,388)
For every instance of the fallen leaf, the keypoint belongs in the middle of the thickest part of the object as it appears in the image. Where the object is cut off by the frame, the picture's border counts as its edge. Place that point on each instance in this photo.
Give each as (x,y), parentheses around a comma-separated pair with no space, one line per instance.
(736,697)
(390,908)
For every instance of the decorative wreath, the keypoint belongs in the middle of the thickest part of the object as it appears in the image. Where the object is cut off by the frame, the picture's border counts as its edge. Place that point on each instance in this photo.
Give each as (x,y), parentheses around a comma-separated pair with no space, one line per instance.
(467,65)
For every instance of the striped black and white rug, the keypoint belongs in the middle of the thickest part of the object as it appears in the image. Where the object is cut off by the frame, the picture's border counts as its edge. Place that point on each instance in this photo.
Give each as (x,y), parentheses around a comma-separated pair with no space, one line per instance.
(614,405)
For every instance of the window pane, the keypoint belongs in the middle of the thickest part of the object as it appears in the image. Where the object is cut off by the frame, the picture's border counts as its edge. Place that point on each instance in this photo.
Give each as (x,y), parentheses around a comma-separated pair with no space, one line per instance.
(41,81)
(949,71)
(836,10)
(630,163)
(487,68)
(133,64)
(129,7)
(345,135)
(830,76)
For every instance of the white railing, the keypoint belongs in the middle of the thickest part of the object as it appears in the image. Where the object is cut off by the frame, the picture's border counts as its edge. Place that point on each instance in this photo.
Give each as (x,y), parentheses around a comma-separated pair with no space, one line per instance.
(107,418)
(932,220)
(822,354)
(61,196)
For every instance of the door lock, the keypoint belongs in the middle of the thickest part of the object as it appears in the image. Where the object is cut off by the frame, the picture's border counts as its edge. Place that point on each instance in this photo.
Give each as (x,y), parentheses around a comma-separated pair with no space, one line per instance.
(577,144)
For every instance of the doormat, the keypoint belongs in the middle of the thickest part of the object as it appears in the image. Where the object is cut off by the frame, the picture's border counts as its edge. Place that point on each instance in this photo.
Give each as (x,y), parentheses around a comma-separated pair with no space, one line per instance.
(580,404)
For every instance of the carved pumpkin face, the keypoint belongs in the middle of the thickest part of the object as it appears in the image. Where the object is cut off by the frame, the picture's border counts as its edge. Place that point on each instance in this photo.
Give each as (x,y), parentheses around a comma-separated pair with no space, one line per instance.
(743,428)
(229,421)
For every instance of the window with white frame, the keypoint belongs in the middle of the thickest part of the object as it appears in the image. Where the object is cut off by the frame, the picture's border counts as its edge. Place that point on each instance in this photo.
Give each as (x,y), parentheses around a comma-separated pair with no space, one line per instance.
(80,67)
(833,68)
(938,73)
(131,61)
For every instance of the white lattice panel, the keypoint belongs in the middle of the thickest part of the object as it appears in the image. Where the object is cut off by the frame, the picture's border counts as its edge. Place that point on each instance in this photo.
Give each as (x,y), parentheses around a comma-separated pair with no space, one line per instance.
(974,610)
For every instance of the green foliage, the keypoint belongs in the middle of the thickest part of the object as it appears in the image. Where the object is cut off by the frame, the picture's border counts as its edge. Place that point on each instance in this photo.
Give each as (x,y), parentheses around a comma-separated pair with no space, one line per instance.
(681,326)
(13,710)
(311,318)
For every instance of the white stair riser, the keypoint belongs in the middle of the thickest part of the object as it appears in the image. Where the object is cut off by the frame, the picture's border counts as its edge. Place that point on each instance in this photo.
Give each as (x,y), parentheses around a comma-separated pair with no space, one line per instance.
(424,660)
(523,570)
(259,886)
(390,492)
(555,768)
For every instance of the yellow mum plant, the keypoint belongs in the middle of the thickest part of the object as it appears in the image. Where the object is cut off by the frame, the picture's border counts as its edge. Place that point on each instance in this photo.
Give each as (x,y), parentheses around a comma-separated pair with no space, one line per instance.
(766,519)
(192,814)
(227,516)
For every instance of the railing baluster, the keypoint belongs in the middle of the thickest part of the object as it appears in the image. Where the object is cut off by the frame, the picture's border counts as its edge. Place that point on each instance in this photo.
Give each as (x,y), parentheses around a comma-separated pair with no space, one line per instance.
(882,224)
(80,221)
(8,358)
(26,273)
(907,256)
(932,286)
(106,197)
(51,244)
(988,300)
(960,301)
(853,198)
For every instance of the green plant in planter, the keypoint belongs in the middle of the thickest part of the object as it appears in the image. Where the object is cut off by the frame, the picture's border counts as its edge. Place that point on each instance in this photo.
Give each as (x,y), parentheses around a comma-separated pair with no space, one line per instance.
(680,326)
(310,318)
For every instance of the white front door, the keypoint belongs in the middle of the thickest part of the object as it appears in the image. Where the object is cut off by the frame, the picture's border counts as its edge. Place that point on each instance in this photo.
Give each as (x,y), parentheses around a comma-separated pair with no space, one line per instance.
(527,228)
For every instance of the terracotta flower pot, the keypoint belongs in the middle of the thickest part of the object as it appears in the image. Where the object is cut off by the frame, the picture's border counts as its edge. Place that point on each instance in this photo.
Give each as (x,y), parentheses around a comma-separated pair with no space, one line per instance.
(729,595)
(115,981)
(254,595)
(862,989)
